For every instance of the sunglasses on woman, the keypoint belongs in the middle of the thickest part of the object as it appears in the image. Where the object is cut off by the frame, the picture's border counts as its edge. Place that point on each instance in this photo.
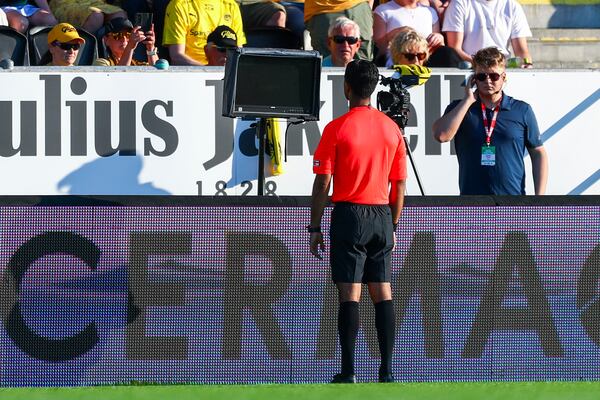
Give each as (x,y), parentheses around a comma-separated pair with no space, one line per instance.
(414,56)
(482,76)
(120,35)
(67,46)
(339,39)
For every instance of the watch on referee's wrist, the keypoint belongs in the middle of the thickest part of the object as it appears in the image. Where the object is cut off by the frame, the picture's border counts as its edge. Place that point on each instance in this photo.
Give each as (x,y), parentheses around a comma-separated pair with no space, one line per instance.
(395,226)
(313,229)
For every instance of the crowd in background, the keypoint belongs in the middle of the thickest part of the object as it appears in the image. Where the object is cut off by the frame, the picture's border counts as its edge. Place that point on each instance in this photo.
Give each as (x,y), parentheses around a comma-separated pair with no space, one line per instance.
(410,32)
(431,32)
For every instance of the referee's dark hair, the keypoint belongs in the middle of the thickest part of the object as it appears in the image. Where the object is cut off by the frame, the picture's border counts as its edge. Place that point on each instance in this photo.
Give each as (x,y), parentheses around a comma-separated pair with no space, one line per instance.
(362,77)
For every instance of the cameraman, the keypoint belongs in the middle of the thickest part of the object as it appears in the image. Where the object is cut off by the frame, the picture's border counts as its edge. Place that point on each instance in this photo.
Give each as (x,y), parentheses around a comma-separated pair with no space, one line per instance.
(491,132)
(364,151)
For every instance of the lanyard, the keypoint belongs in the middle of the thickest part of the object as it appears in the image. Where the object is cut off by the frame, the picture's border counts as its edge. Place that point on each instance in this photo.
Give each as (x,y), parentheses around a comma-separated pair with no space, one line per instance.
(490,129)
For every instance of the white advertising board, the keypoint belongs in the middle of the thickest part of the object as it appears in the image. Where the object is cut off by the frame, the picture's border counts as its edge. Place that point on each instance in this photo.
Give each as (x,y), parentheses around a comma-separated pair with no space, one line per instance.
(144,131)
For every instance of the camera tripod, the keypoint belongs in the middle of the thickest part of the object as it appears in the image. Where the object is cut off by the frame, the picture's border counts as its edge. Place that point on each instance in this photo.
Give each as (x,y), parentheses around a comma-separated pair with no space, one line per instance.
(396,103)
(401,119)
(413,164)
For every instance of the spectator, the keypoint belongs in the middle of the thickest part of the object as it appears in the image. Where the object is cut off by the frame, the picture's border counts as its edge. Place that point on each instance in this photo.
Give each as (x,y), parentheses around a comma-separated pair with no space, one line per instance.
(157,8)
(121,38)
(394,15)
(408,47)
(439,6)
(343,40)
(21,14)
(261,13)
(471,25)
(217,43)
(294,18)
(3,19)
(491,132)
(320,14)
(91,15)
(189,22)
(63,45)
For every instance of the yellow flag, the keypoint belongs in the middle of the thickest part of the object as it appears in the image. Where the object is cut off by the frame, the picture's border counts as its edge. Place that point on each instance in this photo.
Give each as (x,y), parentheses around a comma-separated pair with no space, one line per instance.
(274,146)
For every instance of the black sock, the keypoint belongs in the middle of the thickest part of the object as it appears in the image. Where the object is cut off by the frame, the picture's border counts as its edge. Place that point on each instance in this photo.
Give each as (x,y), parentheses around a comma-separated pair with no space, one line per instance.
(348,323)
(385,322)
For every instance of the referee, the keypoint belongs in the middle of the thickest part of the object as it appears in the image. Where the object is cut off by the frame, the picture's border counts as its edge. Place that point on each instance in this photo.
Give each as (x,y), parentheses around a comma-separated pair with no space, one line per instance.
(364,152)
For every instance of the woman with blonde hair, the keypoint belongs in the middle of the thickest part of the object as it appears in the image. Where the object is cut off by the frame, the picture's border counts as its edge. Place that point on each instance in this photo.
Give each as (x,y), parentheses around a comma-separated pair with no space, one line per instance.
(408,47)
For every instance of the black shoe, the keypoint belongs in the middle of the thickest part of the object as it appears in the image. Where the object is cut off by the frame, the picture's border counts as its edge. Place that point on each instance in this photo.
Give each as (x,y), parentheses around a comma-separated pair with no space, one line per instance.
(386,378)
(344,378)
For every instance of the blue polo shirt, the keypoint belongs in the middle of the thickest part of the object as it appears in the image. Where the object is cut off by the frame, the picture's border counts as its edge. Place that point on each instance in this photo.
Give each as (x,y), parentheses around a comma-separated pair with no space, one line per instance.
(327,62)
(516,130)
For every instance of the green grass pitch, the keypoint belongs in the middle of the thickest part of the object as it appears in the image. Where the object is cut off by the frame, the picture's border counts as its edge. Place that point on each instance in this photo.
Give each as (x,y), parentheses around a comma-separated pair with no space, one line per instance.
(364,391)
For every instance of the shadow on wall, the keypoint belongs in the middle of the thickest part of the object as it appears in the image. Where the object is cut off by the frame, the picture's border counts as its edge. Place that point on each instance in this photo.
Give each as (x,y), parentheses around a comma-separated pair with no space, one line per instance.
(114,175)
(244,166)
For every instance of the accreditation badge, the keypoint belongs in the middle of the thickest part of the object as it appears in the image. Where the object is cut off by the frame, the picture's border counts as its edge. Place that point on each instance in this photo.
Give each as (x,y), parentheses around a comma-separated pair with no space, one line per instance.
(488,155)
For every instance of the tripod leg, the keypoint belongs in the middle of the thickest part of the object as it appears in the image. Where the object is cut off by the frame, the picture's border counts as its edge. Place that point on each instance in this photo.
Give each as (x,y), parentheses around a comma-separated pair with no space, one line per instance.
(414,166)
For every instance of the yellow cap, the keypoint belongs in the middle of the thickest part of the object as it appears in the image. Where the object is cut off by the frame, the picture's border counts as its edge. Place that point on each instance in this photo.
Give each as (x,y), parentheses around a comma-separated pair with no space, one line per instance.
(64,33)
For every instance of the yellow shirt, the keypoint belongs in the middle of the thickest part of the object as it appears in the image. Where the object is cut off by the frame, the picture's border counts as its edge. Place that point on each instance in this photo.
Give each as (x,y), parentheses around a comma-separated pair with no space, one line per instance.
(315,7)
(190,22)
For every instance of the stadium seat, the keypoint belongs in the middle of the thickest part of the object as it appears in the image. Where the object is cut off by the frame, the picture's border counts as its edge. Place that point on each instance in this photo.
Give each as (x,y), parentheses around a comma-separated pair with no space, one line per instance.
(273,37)
(38,46)
(13,45)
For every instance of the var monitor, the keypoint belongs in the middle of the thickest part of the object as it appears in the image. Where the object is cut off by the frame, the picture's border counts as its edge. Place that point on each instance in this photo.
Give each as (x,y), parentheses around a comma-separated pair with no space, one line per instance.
(279,83)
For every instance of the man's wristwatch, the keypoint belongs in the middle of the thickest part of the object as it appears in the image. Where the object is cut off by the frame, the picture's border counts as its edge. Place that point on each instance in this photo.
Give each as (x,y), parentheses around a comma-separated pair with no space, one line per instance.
(152,52)
(313,229)
(395,226)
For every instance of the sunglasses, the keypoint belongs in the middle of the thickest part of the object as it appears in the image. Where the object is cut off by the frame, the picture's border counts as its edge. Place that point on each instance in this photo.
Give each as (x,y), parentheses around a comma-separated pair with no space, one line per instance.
(120,35)
(67,46)
(482,76)
(414,56)
(339,39)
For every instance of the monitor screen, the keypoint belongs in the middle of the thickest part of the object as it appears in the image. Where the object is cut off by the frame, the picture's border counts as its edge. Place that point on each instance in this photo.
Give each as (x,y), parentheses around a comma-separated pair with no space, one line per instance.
(276,84)
(282,84)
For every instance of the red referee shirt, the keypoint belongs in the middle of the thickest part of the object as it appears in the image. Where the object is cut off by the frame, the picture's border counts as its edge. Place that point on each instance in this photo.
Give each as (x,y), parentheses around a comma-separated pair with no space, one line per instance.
(364,151)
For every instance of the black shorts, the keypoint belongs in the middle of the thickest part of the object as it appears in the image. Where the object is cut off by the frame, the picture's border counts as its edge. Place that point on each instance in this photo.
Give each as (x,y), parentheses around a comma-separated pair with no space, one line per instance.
(361,243)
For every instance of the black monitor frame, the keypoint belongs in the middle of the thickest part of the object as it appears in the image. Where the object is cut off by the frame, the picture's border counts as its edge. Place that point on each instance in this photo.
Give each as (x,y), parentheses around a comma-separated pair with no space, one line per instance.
(232,110)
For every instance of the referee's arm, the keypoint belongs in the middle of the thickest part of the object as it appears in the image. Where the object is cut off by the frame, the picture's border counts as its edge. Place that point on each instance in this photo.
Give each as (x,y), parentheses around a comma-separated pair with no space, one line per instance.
(320,198)
(397,189)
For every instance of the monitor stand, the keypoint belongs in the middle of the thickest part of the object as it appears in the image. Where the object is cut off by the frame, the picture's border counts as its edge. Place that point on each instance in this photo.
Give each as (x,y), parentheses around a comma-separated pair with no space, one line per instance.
(261,132)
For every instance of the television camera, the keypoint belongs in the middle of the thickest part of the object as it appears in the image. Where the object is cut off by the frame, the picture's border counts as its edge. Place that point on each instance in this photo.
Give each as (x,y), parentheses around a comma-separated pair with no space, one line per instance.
(395,103)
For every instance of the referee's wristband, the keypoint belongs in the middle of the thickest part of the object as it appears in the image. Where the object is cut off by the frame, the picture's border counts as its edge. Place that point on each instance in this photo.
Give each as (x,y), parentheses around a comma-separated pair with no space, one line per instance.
(313,229)
(395,226)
